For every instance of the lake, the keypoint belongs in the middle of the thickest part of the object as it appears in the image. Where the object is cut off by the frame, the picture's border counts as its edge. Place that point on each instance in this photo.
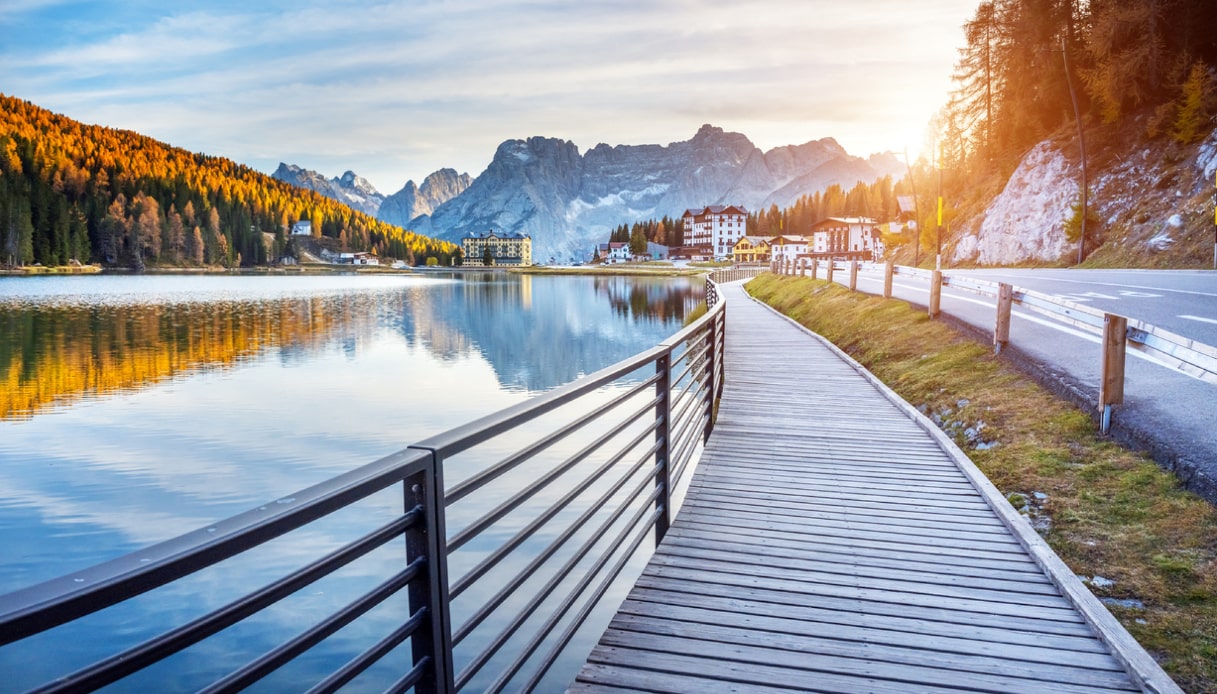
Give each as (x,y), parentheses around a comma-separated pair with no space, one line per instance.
(137,408)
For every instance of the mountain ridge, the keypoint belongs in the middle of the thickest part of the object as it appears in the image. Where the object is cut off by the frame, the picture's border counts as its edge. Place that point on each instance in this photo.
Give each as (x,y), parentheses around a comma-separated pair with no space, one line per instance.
(568,201)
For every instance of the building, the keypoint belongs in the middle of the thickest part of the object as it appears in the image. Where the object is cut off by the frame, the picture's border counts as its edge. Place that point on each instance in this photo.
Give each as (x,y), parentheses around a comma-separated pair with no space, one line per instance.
(613,252)
(358,259)
(847,238)
(751,249)
(787,248)
(505,250)
(715,229)
(303,227)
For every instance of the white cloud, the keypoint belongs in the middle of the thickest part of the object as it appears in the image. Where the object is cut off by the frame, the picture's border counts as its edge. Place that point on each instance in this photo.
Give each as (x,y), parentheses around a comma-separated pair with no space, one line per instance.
(396,90)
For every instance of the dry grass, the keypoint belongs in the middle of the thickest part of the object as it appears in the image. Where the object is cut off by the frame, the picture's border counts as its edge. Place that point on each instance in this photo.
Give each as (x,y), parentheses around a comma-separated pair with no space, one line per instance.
(1106,511)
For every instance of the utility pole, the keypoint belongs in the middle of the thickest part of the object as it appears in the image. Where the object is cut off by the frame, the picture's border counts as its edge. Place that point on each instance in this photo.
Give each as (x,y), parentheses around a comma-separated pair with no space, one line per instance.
(1077,115)
(916,211)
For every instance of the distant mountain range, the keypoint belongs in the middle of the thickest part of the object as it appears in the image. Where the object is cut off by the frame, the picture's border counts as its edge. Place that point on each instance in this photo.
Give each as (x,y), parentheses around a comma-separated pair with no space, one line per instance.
(569,201)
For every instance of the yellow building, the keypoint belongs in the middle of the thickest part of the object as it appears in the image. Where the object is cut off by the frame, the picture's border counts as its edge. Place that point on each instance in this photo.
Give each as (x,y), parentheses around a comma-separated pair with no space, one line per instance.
(751,249)
(504,250)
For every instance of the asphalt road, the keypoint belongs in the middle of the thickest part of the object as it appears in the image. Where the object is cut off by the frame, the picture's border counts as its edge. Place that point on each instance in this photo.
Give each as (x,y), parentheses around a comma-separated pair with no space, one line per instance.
(1169,414)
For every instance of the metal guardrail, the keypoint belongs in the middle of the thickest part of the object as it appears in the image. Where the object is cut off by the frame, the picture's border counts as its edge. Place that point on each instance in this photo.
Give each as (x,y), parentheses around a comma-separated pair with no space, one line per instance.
(1184,354)
(591,490)
(1174,351)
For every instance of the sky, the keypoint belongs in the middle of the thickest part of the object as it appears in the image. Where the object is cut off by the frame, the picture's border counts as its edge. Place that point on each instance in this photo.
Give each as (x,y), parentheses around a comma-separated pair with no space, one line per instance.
(394,91)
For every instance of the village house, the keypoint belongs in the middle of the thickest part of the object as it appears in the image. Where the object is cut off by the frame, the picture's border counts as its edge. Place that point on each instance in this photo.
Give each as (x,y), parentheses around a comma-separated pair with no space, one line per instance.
(504,250)
(358,259)
(847,238)
(787,248)
(714,230)
(614,252)
(751,249)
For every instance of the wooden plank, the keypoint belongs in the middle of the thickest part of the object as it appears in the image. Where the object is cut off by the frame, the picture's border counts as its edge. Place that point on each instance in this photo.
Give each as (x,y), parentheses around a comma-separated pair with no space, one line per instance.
(812,551)
(908,664)
(819,608)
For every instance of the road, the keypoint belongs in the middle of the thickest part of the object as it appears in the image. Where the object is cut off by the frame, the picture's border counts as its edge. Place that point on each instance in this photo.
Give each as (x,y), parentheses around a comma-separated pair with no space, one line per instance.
(1169,414)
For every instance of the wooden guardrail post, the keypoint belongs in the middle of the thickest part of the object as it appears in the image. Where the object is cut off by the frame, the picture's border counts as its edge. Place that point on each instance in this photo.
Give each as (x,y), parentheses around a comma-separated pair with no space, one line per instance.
(889,269)
(815,267)
(935,292)
(853,275)
(831,267)
(1111,385)
(1001,331)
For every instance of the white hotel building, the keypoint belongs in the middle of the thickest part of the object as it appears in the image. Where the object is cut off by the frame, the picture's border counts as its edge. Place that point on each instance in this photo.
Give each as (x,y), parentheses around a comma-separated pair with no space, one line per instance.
(714,230)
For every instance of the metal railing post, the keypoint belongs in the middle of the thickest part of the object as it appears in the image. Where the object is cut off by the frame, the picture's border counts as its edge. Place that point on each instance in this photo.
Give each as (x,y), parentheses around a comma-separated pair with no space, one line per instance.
(1111,385)
(1001,331)
(431,542)
(889,269)
(711,376)
(663,438)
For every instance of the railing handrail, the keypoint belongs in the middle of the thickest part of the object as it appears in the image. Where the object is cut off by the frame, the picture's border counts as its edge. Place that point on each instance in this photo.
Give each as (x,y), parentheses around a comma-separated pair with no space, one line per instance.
(59,600)
(680,412)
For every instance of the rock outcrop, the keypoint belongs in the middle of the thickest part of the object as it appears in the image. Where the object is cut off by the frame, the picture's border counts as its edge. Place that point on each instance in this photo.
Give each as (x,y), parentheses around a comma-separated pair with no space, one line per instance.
(1026,221)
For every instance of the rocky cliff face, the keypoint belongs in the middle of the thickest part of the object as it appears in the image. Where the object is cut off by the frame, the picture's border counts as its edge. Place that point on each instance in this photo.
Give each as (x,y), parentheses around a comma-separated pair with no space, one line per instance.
(567,201)
(413,200)
(1150,201)
(350,189)
(1026,222)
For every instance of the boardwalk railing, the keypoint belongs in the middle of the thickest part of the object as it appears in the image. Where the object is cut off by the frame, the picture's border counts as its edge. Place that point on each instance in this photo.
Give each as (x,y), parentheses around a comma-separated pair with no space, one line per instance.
(1193,358)
(490,605)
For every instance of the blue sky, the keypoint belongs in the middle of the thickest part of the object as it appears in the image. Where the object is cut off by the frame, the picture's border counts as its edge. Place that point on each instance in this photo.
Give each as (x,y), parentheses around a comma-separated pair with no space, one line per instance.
(396,90)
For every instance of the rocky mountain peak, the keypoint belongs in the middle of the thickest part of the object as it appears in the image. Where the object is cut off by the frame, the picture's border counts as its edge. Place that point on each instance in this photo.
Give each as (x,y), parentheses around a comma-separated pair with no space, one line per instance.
(414,201)
(543,187)
(351,189)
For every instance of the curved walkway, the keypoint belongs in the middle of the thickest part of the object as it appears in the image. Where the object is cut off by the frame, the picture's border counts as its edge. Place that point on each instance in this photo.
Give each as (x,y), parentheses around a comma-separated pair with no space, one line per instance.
(834,540)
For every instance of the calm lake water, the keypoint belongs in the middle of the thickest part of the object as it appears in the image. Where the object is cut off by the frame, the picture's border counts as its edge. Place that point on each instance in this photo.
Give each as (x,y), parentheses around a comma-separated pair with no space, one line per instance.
(134,409)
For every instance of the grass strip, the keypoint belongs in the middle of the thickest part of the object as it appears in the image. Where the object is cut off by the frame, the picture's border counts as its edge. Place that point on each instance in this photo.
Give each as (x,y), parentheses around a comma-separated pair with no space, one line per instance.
(1143,544)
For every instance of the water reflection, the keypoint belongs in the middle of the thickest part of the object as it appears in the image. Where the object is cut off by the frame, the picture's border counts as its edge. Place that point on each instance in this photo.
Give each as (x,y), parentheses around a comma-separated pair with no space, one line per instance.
(536,333)
(133,409)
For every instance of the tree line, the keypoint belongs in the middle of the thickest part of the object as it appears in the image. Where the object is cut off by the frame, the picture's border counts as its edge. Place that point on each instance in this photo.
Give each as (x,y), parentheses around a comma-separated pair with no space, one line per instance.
(1024,62)
(76,192)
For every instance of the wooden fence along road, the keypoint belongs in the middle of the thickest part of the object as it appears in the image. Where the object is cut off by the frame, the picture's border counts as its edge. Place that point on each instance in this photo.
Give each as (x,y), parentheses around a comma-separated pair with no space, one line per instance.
(833,540)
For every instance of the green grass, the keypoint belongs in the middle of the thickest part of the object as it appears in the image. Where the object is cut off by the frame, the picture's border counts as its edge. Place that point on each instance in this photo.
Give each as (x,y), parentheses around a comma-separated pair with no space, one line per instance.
(1105,510)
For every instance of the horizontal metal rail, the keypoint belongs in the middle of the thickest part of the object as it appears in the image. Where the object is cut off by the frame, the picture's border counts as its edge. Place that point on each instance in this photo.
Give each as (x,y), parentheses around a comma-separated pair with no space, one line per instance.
(625,454)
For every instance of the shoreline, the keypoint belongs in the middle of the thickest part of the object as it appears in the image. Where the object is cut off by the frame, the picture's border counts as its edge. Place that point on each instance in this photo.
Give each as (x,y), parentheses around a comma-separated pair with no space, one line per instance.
(311,269)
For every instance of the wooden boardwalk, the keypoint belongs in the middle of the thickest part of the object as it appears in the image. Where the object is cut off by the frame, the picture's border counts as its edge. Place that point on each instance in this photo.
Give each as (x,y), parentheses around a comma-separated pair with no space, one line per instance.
(832,541)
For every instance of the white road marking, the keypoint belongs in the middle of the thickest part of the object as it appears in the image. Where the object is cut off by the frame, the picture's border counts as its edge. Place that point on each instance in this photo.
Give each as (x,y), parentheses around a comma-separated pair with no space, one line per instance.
(1051,278)
(1201,319)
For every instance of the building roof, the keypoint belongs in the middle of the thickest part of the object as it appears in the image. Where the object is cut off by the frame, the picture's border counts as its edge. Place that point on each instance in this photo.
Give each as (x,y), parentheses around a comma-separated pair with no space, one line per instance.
(716,209)
(492,234)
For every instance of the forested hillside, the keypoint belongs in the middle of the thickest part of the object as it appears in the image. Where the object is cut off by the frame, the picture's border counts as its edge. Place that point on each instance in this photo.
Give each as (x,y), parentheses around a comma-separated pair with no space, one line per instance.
(76,192)
(1141,76)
